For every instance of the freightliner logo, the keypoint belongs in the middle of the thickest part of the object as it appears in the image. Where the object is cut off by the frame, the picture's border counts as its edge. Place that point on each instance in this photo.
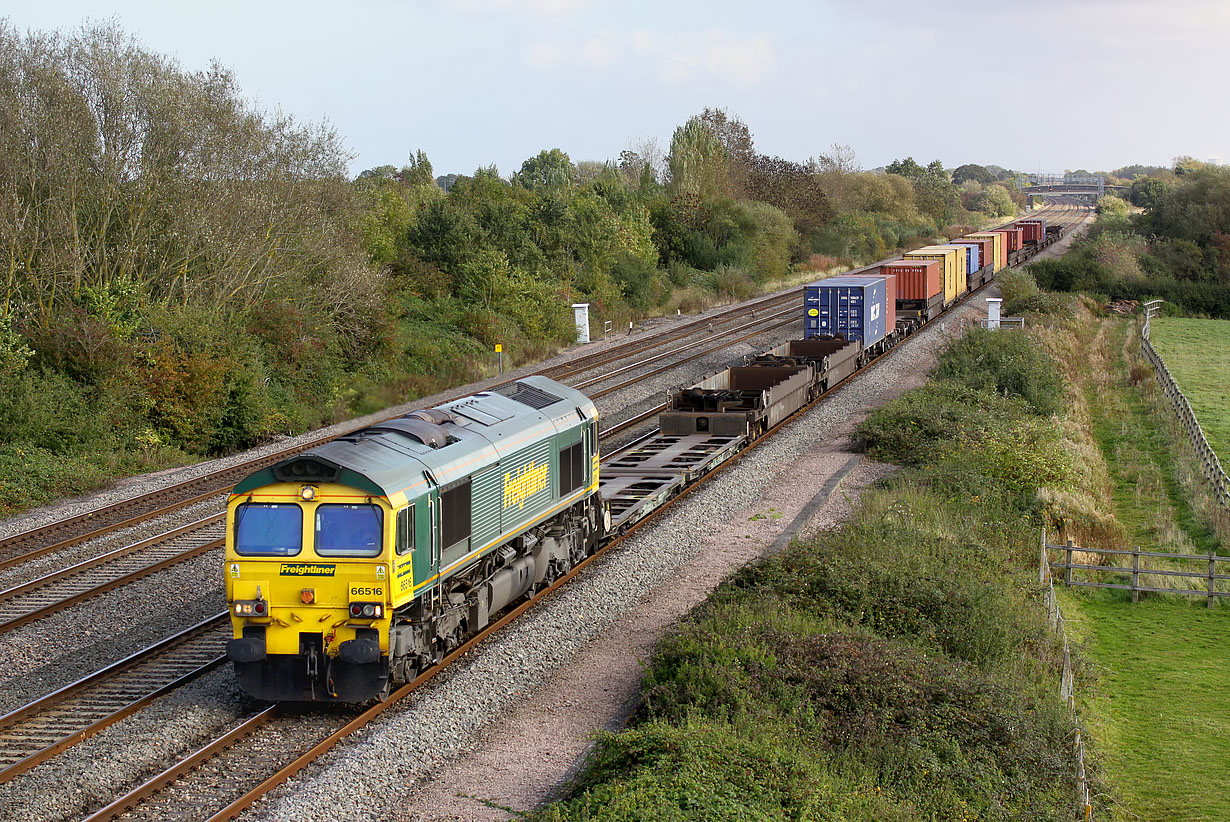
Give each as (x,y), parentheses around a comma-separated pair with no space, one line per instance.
(306,569)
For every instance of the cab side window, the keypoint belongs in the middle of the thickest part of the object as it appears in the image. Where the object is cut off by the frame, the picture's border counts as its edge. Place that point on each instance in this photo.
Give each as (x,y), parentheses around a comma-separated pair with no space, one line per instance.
(405,530)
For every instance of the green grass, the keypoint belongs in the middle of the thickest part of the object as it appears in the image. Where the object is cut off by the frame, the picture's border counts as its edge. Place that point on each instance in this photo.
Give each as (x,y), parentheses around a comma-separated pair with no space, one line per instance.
(1159,724)
(1139,452)
(1197,352)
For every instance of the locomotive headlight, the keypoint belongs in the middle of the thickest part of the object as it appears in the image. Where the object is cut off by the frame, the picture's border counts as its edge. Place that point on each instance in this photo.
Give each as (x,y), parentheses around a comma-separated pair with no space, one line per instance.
(307,494)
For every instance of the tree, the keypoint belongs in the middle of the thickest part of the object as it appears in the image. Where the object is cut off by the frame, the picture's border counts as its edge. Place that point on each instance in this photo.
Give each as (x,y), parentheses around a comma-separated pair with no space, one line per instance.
(970,171)
(996,201)
(549,170)
(736,140)
(794,188)
(907,168)
(839,160)
(697,160)
(1147,192)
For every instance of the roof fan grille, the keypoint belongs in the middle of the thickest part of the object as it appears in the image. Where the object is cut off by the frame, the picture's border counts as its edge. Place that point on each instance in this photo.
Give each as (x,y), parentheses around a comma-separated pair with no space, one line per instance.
(528,395)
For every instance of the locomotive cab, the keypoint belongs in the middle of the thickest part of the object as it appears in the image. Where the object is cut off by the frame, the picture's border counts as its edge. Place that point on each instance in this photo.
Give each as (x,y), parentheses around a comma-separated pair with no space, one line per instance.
(309,574)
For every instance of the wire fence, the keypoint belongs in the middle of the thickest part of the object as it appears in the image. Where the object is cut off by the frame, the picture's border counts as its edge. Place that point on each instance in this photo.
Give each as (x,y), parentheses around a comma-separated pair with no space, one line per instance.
(1210,465)
(1067,681)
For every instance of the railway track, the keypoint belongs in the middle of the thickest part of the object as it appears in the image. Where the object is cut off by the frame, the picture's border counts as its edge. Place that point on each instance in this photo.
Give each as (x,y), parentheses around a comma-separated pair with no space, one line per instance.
(38,731)
(35,599)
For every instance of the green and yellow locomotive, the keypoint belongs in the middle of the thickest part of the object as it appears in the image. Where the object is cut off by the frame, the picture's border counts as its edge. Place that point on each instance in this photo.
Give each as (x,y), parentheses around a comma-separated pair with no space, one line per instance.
(357,564)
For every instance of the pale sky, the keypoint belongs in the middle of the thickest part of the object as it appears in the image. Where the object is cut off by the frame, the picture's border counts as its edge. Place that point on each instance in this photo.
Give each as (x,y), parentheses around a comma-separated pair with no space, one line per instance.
(1031,84)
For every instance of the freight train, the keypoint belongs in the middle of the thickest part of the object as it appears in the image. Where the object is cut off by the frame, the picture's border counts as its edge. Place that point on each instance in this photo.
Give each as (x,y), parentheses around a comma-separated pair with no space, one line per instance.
(358,564)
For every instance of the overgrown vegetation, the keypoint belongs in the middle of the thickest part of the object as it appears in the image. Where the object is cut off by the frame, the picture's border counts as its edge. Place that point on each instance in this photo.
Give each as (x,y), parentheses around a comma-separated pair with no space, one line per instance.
(1154,698)
(1177,247)
(899,667)
(186,275)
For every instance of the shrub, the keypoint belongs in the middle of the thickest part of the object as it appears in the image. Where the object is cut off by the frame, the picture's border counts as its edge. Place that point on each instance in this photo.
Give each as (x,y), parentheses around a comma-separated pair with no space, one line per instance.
(914,428)
(1010,364)
(707,770)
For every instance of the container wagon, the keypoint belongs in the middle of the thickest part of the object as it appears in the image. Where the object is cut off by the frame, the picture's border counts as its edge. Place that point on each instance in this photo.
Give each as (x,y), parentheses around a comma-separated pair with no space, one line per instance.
(738,402)
(831,360)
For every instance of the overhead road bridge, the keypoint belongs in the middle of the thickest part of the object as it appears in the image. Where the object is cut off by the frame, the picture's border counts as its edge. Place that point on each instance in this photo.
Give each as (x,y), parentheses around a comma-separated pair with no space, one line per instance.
(1081,186)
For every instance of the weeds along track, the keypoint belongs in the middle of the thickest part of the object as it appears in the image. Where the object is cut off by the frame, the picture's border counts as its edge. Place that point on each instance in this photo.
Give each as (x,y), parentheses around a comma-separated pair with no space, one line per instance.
(270,747)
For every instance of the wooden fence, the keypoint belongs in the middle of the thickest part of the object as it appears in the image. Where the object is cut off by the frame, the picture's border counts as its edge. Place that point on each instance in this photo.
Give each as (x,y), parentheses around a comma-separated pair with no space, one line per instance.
(1208,573)
(1067,681)
(1210,465)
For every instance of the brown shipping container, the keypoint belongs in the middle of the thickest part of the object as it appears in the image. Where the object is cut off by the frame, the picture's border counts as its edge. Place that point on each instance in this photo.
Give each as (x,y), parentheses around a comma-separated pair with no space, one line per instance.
(1013,236)
(1032,230)
(1000,244)
(918,280)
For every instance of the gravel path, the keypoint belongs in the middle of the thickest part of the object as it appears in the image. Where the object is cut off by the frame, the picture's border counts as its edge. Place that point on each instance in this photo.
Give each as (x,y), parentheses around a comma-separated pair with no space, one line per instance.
(380,773)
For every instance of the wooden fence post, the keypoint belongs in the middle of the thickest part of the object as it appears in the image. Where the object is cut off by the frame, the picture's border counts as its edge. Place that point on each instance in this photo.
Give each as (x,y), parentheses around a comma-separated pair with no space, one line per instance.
(1212,574)
(1136,575)
(1067,572)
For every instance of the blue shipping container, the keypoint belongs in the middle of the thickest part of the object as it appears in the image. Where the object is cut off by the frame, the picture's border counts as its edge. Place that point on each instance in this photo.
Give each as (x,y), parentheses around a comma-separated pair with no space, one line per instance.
(853,306)
(973,256)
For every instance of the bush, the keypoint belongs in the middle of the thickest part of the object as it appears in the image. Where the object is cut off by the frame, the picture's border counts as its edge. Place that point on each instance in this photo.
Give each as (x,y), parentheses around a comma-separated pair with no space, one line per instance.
(707,770)
(914,428)
(1010,364)
(1015,285)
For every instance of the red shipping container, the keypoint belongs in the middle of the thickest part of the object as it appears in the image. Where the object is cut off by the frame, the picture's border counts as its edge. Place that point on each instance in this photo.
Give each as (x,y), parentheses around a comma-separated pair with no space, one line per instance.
(914,280)
(1013,236)
(890,302)
(986,249)
(1032,230)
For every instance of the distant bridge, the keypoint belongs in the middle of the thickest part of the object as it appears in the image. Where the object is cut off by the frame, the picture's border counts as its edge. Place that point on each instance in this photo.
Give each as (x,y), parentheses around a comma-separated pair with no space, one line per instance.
(1081,186)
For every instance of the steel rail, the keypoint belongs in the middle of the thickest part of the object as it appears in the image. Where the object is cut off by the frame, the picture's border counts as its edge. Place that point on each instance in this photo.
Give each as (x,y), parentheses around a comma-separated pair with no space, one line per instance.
(36,589)
(81,709)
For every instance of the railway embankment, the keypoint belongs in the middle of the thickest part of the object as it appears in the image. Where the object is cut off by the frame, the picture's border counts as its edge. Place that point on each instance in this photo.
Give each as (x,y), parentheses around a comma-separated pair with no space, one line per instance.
(898,665)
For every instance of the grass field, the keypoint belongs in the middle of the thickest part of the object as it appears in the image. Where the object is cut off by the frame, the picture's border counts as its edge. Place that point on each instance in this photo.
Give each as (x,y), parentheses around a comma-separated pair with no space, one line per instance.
(1160,724)
(1139,452)
(1197,352)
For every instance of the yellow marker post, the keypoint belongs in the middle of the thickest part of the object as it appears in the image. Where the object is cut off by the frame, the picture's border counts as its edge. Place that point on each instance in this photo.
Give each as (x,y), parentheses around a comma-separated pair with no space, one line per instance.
(499,349)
